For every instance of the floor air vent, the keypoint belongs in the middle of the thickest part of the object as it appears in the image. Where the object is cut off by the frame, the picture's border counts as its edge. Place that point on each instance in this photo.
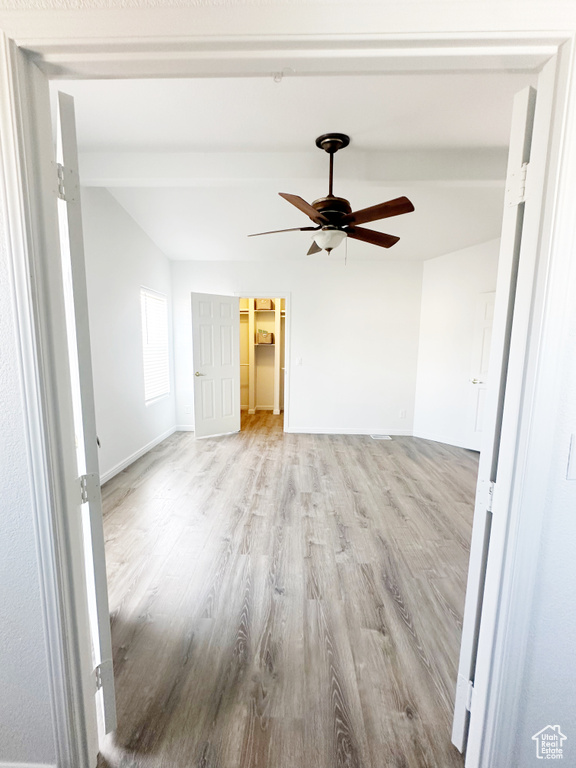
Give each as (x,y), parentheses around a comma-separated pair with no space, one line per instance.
(380,437)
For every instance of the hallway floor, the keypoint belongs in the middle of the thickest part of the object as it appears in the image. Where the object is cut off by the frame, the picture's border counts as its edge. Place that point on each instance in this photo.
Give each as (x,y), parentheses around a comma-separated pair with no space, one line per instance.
(287,601)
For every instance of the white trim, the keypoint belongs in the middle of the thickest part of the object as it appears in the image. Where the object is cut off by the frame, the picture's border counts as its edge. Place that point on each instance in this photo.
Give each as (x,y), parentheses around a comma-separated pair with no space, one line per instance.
(348,431)
(28,765)
(534,438)
(20,107)
(245,55)
(184,428)
(137,455)
(500,593)
(446,439)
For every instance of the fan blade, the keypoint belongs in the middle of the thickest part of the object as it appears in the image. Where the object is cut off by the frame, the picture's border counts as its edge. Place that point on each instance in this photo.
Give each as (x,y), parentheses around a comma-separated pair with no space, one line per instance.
(305,207)
(294,229)
(370,236)
(314,248)
(382,211)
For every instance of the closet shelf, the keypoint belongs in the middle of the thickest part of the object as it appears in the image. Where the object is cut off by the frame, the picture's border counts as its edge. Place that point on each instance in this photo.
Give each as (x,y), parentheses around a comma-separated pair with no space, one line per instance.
(247,311)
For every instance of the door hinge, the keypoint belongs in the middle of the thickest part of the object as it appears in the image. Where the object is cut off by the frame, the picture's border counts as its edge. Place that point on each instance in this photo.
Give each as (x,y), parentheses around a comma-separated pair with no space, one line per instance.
(98,676)
(61,188)
(490,497)
(469,695)
(66,184)
(516,186)
(103,674)
(89,487)
(485,495)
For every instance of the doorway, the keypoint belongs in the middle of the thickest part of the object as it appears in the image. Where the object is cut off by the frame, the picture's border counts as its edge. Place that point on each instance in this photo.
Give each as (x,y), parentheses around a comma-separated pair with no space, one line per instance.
(239,361)
(264,338)
(263,355)
(48,326)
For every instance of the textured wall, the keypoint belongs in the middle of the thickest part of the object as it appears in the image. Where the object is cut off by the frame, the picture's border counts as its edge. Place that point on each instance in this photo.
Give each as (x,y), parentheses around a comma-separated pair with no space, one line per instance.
(25,720)
(115,4)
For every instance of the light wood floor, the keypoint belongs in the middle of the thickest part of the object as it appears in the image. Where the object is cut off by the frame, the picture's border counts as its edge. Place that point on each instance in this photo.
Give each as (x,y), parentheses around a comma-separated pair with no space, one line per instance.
(287,601)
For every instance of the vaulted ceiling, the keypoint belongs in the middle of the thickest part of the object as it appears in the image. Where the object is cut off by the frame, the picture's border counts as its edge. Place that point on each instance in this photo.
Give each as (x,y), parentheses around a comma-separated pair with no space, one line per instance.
(198,163)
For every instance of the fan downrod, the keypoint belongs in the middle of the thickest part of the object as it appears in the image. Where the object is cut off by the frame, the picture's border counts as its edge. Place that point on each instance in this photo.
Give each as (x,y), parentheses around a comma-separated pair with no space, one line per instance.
(331,143)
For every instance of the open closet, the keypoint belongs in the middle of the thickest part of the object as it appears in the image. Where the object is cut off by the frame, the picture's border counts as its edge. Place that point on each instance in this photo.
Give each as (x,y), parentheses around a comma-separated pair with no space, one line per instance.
(262,354)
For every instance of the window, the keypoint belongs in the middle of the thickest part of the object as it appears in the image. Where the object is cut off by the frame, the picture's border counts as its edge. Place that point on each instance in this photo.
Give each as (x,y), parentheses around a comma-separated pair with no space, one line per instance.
(154,307)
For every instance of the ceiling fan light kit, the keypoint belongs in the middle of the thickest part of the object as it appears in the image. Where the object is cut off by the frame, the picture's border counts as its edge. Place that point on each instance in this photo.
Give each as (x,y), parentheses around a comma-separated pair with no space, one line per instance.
(329,238)
(333,215)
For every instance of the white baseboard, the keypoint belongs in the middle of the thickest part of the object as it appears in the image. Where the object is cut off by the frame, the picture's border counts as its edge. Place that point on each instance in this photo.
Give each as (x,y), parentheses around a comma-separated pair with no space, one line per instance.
(131,459)
(348,431)
(252,411)
(183,428)
(446,439)
(27,765)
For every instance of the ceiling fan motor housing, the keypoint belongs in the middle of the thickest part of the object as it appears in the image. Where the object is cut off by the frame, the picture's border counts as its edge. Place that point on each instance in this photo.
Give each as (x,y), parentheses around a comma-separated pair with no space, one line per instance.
(333,208)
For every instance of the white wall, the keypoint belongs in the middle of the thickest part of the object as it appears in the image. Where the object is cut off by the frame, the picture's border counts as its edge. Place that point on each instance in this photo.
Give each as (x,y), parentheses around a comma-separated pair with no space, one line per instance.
(549,679)
(451,285)
(25,712)
(354,328)
(120,259)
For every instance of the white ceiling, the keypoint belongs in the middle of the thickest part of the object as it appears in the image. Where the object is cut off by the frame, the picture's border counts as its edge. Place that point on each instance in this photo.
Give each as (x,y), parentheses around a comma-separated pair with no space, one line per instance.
(247,114)
(198,163)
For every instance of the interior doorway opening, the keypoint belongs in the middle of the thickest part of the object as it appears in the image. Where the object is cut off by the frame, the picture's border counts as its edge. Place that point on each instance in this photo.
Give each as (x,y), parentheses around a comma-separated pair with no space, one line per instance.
(259,330)
(263,355)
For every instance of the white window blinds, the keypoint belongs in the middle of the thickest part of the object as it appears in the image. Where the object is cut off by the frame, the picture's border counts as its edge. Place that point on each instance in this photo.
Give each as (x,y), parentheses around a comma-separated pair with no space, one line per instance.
(154,308)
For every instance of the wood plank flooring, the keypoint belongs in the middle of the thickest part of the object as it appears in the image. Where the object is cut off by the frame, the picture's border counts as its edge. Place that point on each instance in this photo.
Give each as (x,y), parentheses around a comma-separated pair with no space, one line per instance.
(286,601)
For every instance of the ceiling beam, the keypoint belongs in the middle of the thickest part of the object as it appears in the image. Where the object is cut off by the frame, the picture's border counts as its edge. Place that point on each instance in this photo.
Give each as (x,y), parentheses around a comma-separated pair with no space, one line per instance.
(463,166)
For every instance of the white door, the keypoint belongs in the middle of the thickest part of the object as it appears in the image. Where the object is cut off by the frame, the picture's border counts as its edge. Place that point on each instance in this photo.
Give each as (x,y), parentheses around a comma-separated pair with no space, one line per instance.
(78,334)
(510,331)
(216,359)
(478,381)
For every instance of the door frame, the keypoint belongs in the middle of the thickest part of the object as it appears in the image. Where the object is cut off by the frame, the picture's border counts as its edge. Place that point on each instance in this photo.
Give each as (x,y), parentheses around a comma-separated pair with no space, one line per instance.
(38,298)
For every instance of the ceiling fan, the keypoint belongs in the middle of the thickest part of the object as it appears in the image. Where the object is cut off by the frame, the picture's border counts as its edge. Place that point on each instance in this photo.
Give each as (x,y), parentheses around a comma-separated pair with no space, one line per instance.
(334,217)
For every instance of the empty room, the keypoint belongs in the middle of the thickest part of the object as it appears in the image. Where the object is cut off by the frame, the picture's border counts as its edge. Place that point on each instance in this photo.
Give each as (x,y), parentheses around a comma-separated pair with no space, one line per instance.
(287,587)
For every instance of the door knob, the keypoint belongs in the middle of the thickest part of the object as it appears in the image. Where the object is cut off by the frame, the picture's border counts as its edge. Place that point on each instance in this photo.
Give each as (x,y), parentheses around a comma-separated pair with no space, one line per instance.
(199,374)
(476,381)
